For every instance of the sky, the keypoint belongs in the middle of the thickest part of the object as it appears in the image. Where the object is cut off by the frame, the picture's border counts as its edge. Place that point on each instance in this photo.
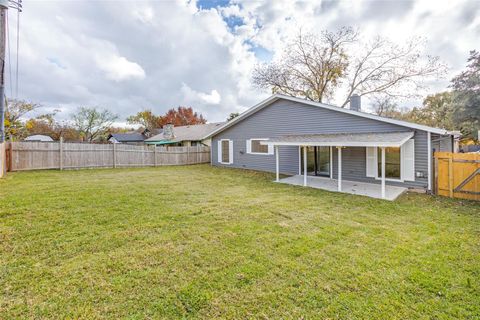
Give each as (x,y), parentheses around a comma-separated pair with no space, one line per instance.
(128,56)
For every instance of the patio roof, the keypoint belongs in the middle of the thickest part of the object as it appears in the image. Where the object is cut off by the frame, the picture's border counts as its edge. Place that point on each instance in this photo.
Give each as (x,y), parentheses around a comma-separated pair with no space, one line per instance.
(386,139)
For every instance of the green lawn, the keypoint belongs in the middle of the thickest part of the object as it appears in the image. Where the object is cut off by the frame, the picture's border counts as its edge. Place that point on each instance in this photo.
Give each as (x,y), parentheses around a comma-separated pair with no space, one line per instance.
(203,242)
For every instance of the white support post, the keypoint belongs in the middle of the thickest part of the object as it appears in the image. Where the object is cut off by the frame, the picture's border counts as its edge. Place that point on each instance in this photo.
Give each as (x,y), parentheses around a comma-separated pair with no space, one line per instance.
(429,162)
(299,160)
(304,166)
(277,164)
(61,153)
(331,162)
(339,178)
(383,172)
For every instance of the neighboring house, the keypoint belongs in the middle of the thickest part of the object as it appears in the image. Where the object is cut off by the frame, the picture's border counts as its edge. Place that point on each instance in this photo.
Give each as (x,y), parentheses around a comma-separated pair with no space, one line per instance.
(127,138)
(186,136)
(38,138)
(306,139)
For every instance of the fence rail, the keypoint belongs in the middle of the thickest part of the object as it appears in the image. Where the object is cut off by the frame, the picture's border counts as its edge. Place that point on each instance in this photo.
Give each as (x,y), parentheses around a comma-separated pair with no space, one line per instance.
(59,155)
(458,175)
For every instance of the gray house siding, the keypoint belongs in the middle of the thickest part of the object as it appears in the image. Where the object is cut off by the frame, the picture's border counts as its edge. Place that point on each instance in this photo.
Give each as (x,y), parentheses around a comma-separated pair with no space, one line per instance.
(285,117)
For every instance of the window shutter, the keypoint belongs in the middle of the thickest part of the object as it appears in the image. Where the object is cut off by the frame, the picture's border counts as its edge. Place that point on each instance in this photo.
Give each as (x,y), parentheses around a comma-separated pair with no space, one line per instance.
(219,151)
(408,160)
(371,162)
(230,151)
(270,149)
(249,146)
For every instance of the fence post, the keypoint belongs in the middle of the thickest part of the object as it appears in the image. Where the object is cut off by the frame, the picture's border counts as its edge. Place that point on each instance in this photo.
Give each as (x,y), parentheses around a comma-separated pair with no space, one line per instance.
(154,155)
(61,153)
(114,155)
(450,175)
(188,155)
(435,166)
(9,156)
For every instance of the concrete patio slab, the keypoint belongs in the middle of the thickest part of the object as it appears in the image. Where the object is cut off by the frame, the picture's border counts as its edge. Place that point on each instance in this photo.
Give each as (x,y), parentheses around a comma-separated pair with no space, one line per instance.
(352,187)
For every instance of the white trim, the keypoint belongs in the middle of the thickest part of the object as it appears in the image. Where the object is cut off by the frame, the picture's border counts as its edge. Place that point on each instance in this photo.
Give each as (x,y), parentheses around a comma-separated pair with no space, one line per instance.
(371,164)
(429,162)
(276,97)
(230,151)
(408,160)
(249,147)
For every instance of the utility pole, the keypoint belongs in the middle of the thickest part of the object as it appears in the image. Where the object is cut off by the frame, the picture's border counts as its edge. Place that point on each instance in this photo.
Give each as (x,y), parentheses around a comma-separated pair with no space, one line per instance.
(3,34)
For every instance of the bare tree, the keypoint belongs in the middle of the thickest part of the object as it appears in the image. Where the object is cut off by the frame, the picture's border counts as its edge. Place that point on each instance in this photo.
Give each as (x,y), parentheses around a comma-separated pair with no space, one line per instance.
(385,106)
(316,67)
(93,123)
(390,69)
(311,66)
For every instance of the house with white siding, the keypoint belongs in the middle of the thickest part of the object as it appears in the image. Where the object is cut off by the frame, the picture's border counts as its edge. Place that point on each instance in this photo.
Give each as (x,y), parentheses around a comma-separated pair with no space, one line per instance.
(333,148)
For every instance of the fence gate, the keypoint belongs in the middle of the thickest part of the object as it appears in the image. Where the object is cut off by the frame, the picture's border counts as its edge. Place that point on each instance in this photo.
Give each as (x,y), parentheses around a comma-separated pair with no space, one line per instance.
(458,175)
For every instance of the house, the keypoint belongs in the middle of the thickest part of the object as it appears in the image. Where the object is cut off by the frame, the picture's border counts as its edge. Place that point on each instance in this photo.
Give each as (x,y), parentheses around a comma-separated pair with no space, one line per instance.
(186,136)
(38,138)
(329,147)
(127,138)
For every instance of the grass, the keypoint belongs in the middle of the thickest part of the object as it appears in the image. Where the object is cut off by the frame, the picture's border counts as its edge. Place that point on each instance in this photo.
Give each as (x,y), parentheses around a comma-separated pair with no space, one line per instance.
(203,242)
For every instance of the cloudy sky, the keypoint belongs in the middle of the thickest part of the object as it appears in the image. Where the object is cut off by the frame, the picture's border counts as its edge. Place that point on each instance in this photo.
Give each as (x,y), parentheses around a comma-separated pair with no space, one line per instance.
(132,55)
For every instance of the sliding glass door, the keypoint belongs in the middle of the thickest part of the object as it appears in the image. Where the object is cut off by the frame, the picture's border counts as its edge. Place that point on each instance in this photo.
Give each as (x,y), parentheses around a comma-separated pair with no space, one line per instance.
(323,161)
(318,161)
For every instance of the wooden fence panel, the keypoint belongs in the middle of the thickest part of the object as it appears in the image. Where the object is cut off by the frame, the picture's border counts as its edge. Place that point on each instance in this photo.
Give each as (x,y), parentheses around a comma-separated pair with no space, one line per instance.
(458,175)
(59,155)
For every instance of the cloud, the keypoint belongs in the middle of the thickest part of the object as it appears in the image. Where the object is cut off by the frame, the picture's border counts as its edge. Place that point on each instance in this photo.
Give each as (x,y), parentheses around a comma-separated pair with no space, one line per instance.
(194,96)
(119,68)
(127,56)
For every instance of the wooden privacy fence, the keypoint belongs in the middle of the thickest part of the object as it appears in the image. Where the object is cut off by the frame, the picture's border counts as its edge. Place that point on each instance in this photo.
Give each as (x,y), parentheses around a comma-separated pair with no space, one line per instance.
(59,155)
(458,175)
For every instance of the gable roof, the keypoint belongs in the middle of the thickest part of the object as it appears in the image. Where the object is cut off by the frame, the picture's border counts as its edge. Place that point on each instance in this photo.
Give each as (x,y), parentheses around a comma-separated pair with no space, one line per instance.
(195,132)
(277,96)
(127,137)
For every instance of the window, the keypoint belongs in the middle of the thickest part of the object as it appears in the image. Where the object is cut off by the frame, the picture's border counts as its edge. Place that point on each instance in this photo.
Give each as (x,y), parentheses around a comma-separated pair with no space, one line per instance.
(225,151)
(254,146)
(392,163)
(399,162)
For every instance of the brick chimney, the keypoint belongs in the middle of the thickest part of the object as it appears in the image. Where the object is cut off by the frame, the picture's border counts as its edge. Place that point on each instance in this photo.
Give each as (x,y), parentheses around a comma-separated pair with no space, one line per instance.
(355,102)
(168,131)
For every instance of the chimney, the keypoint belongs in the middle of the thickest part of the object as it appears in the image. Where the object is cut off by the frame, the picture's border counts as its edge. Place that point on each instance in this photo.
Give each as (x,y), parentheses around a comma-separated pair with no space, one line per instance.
(355,102)
(168,131)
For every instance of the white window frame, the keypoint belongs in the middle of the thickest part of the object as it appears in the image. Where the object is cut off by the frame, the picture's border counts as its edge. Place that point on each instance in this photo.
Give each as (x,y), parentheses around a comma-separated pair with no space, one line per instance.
(403,163)
(230,151)
(377,177)
(270,152)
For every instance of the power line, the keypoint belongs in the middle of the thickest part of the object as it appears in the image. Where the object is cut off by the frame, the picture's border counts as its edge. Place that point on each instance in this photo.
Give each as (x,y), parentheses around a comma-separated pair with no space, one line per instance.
(9,56)
(18,47)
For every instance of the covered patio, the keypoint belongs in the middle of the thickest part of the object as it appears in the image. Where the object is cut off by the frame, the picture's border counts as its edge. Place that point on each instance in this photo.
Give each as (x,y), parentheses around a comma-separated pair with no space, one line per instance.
(340,141)
(358,188)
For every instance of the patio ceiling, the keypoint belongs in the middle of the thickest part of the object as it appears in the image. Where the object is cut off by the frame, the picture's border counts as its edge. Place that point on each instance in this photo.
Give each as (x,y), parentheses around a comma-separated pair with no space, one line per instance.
(386,139)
